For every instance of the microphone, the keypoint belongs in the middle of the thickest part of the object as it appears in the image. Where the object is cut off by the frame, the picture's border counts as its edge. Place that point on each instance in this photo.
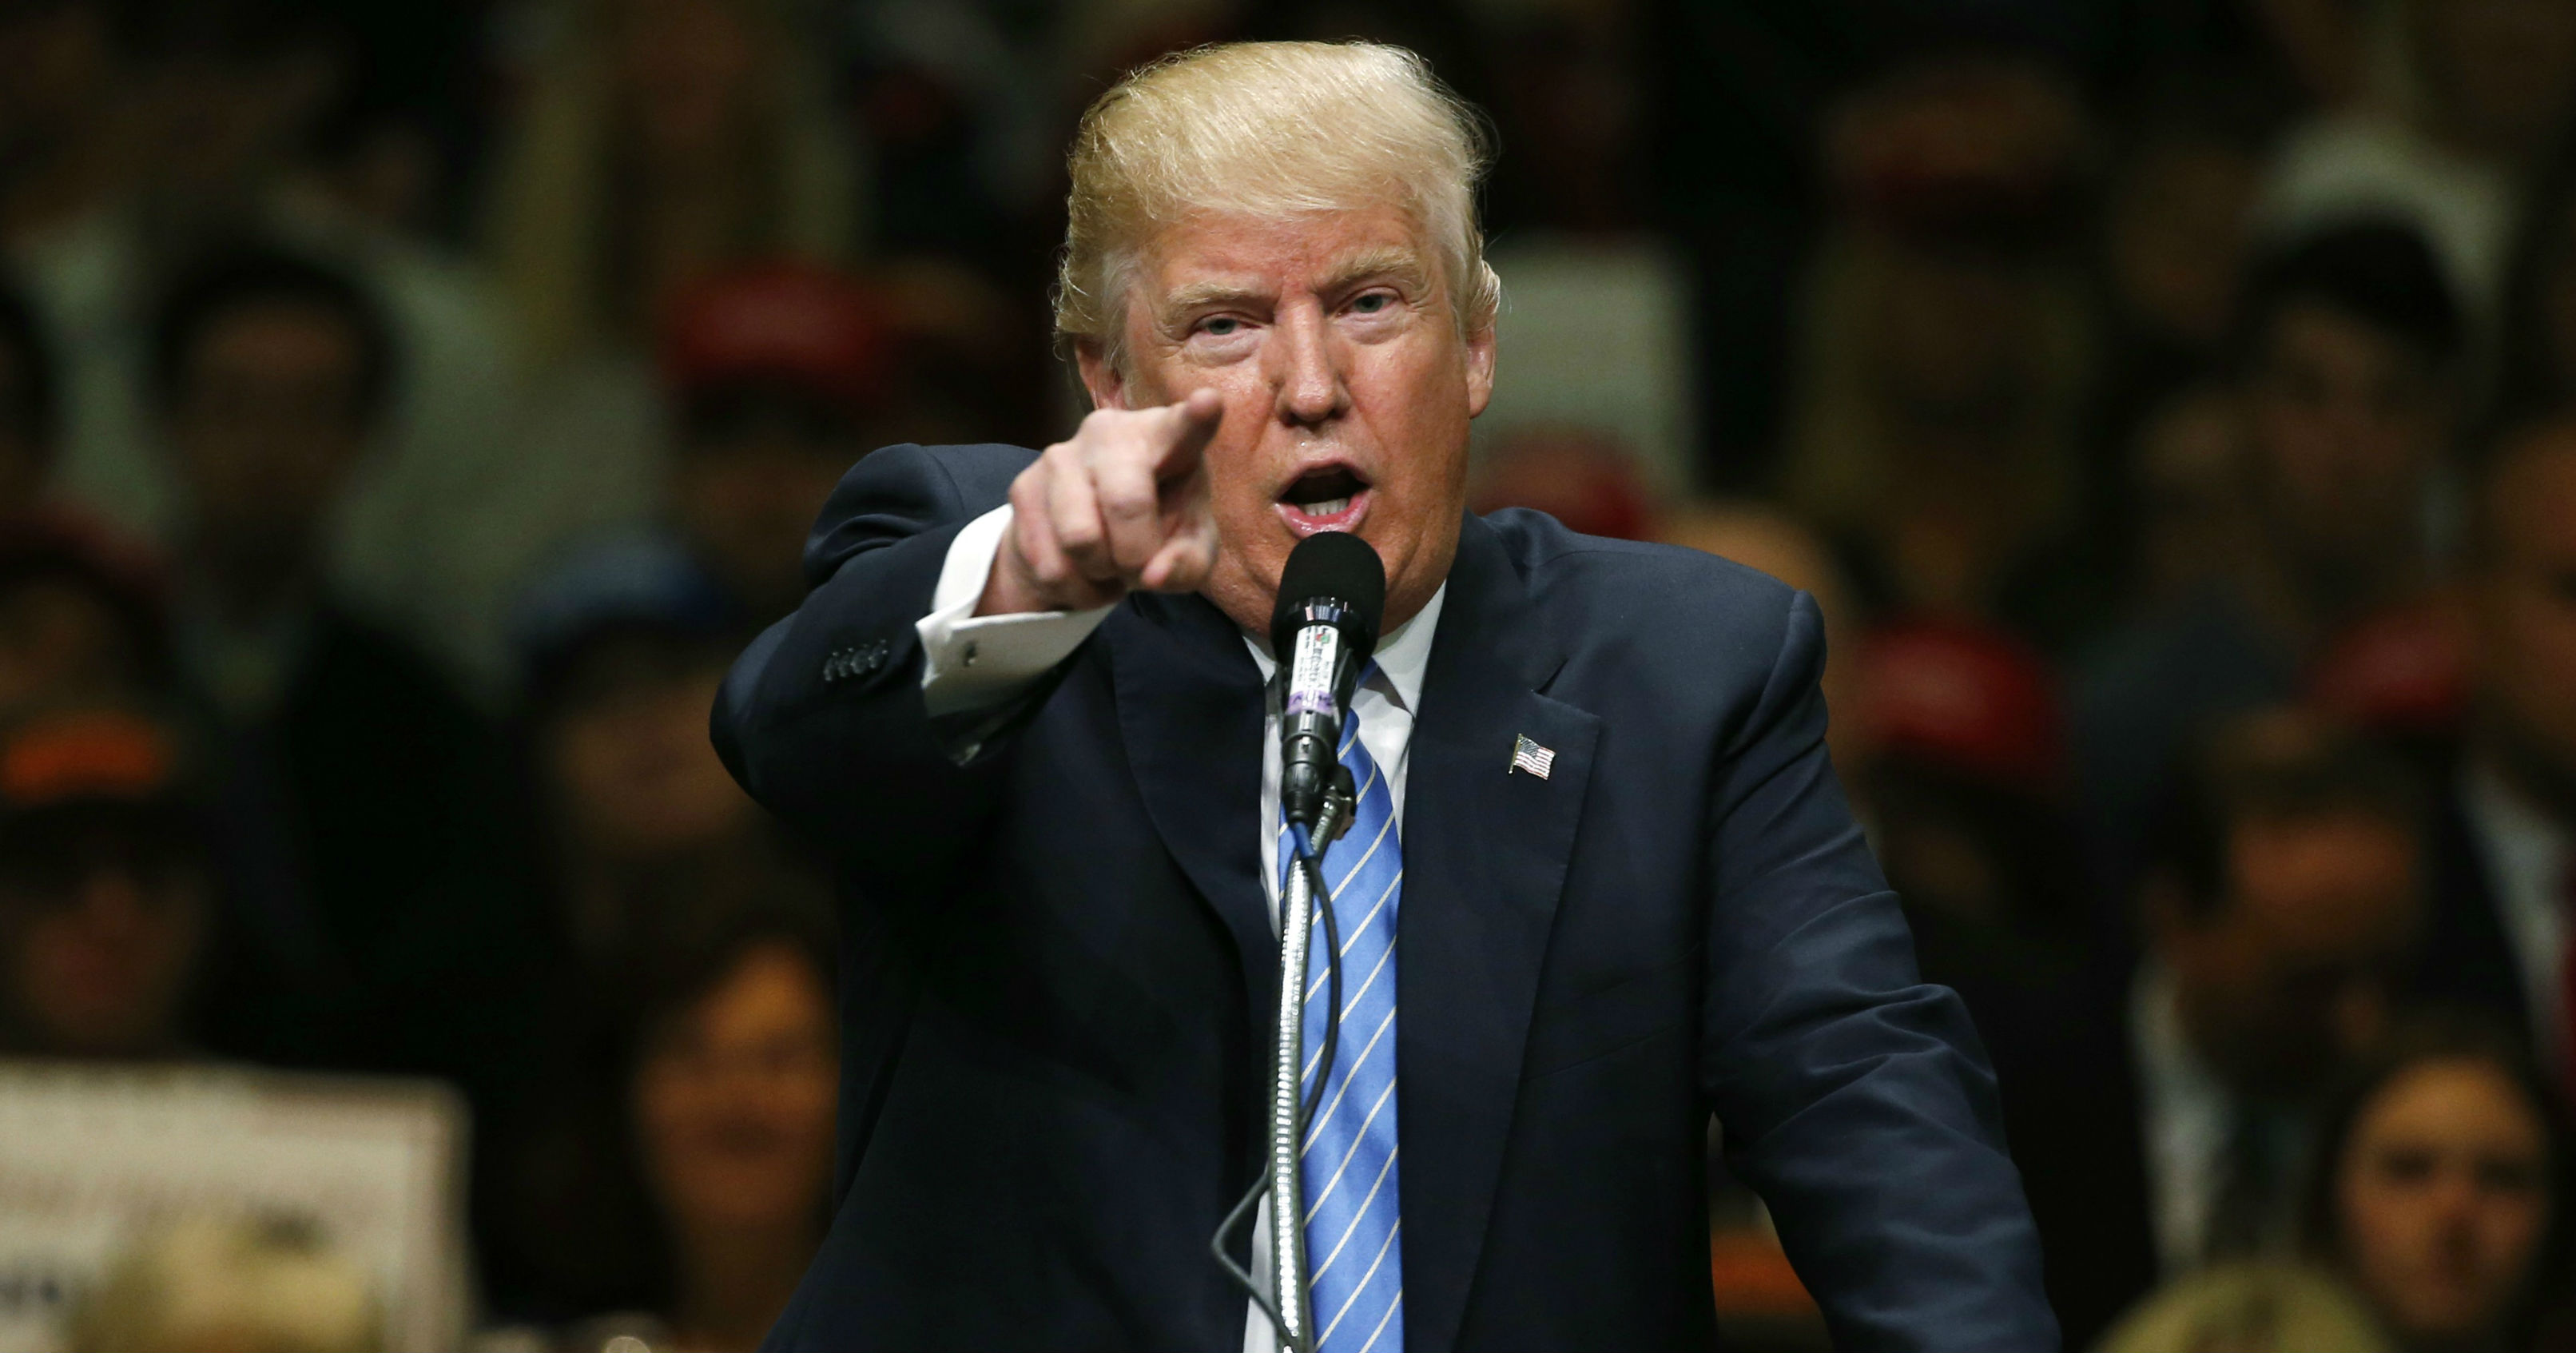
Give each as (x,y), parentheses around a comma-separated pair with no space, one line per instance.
(1331,596)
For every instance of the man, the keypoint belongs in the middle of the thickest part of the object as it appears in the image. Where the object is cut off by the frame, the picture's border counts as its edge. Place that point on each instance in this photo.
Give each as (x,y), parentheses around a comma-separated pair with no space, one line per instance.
(779,378)
(1024,706)
(2503,933)
(2347,345)
(361,792)
(2158,1115)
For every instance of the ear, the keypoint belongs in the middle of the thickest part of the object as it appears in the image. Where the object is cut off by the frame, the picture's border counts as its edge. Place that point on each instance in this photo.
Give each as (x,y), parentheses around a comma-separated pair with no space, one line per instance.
(1100,376)
(1480,369)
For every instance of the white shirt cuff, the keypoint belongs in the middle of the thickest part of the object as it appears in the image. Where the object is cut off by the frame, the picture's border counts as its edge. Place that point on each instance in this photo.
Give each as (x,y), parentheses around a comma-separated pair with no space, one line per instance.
(974,662)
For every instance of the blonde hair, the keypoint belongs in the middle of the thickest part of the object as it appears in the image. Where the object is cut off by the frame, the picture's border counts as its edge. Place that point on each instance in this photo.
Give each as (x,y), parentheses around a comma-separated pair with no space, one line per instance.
(1269,129)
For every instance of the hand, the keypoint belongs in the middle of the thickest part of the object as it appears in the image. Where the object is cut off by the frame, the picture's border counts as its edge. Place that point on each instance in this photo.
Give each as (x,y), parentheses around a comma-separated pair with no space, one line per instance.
(1121,507)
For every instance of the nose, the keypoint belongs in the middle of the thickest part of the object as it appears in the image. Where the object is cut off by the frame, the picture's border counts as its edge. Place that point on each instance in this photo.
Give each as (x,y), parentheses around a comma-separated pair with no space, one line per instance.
(1305,367)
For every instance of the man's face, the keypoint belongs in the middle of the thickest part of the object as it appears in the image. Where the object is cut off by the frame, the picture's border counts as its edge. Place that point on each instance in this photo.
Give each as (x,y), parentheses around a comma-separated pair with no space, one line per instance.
(2522,603)
(266,423)
(631,771)
(1348,388)
(99,931)
(2346,422)
(2289,976)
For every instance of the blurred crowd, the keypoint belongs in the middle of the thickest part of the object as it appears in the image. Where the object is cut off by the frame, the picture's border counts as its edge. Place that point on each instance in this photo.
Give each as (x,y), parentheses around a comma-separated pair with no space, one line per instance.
(407,408)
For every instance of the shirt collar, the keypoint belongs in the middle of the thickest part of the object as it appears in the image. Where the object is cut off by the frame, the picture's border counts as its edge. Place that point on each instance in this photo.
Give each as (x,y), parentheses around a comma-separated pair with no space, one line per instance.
(1403,654)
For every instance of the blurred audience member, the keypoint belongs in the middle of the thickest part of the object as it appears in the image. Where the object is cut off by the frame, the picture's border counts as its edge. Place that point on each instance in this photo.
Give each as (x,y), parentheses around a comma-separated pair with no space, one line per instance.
(202,1283)
(713,1097)
(2427,1222)
(1947,345)
(2346,351)
(1961,780)
(2476,95)
(364,790)
(1582,477)
(106,886)
(781,378)
(2440,1187)
(641,825)
(30,414)
(1771,541)
(2176,229)
(210,111)
(2158,1113)
(81,615)
(2504,922)
(662,142)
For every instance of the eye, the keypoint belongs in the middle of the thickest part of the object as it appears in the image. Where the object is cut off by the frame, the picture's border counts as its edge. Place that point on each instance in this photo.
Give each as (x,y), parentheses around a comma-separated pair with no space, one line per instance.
(1220,326)
(2406,1165)
(1372,302)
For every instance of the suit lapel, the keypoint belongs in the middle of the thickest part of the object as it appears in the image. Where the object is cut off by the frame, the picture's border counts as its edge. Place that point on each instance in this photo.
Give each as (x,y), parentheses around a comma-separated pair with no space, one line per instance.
(1485,855)
(1189,710)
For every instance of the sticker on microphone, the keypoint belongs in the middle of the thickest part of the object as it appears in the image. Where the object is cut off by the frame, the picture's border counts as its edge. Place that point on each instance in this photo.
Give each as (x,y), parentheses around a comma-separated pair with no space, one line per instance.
(1310,673)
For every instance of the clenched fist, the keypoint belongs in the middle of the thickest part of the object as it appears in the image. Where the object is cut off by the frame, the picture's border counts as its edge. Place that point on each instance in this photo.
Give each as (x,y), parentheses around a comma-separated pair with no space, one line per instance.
(1121,507)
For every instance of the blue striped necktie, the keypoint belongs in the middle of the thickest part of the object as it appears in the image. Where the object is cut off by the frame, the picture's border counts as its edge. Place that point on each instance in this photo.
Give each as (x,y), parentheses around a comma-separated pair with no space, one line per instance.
(1353,1249)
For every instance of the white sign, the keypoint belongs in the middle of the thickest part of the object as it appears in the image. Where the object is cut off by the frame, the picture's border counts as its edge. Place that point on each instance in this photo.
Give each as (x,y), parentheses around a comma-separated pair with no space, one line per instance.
(91,1156)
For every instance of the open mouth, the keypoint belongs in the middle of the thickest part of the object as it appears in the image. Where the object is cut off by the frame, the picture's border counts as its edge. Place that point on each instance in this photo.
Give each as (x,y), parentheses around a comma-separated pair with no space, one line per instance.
(1326,498)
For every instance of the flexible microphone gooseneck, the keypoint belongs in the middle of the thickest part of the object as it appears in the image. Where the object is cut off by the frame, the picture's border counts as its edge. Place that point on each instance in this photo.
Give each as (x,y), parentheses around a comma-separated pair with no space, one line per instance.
(1323,630)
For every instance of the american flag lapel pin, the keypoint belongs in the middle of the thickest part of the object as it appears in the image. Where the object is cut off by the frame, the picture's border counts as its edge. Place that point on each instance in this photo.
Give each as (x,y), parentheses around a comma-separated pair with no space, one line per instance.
(1529,756)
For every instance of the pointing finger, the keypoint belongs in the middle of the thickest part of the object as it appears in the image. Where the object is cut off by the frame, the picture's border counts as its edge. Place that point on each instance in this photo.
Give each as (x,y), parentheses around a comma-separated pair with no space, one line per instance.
(1198,417)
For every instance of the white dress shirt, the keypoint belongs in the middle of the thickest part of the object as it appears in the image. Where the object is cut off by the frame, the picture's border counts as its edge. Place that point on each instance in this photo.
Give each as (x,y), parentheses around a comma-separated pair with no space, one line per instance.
(2185,1112)
(973,662)
(2528,859)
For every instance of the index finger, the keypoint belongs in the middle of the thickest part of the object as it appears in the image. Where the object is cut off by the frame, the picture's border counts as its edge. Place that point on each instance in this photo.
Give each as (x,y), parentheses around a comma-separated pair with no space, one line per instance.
(1199,416)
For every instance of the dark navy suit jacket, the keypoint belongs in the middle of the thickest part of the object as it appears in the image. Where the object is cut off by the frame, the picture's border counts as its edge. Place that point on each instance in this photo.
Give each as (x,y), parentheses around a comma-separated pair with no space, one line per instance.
(1058,965)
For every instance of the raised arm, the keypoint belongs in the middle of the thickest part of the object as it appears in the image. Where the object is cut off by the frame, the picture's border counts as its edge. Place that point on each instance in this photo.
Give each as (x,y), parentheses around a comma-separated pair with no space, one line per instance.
(865,718)
(1855,1099)
(822,718)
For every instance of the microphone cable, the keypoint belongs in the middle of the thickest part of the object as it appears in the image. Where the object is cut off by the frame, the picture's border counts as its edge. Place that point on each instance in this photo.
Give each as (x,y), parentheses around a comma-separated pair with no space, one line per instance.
(1310,860)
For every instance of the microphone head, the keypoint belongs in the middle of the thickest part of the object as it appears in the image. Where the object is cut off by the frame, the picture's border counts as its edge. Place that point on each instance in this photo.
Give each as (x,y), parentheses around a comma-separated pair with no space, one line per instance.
(1332,577)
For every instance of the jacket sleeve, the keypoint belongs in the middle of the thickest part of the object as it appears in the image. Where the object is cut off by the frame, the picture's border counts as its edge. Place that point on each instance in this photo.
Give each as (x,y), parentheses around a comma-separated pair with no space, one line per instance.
(1854,1098)
(821,718)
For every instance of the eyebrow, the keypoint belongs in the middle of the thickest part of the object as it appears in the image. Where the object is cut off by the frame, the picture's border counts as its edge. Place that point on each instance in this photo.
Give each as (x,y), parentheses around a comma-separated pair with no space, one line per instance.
(1391,261)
